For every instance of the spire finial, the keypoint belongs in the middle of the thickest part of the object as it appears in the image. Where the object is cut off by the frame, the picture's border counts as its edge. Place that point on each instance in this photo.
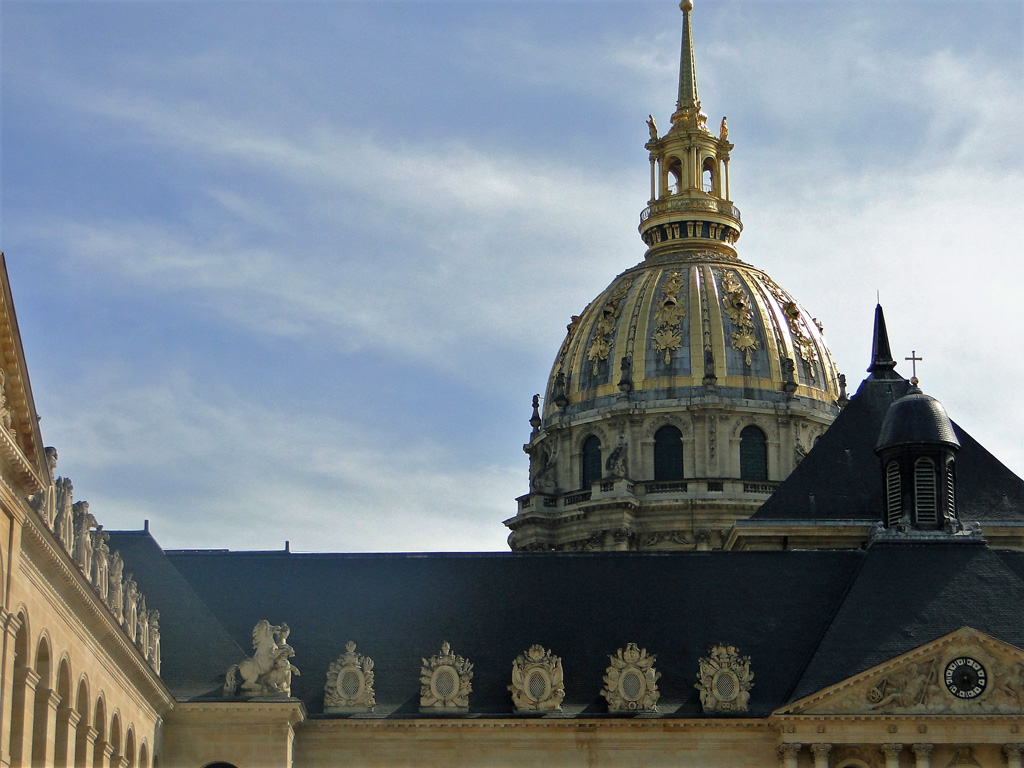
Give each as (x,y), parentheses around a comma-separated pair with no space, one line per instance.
(688,98)
(881,357)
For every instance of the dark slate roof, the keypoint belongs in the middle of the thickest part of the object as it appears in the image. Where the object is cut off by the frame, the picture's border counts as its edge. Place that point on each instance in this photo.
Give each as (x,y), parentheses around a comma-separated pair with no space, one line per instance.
(916,419)
(840,478)
(399,608)
(906,595)
(195,648)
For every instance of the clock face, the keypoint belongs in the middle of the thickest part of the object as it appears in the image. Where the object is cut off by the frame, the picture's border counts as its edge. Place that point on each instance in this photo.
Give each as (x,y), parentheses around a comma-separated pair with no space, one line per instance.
(965,678)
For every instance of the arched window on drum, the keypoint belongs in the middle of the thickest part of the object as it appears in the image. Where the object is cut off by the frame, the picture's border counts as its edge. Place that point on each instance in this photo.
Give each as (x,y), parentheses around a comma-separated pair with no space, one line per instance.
(753,454)
(590,461)
(668,454)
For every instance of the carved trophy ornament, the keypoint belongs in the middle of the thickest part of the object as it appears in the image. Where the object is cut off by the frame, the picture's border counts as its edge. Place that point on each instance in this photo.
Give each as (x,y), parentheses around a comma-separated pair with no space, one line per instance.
(738,309)
(631,682)
(445,682)
(349,687)
(537,681)
(268,672)
(724,680)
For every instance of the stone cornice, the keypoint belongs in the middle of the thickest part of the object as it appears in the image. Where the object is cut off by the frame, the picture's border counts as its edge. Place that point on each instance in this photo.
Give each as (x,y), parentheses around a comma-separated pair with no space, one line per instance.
(536,723)
(14,459)
(253,712)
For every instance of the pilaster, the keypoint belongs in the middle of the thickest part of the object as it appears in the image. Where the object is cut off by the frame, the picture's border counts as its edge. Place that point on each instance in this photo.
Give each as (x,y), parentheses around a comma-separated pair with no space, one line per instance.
(67,725)
(11,625)
(892,755)
(85,745)
(820,752)
(44,728)
(789,755)
(1013,755)
(923,753)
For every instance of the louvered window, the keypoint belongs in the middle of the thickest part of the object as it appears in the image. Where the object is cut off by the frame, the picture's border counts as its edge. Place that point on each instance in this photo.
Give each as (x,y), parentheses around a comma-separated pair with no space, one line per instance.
(591,461)
(925,502)
(893,494)
(950,491)
(668,454)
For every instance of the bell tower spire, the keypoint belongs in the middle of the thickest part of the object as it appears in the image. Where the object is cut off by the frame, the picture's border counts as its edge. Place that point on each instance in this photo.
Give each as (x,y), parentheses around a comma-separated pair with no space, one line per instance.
(690,207)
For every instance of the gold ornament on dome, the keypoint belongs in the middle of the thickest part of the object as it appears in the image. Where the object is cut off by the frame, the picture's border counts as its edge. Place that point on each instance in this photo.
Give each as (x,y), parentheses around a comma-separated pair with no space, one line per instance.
(738,310)
(668,336)
(537,681)
(797,328)
(600,345)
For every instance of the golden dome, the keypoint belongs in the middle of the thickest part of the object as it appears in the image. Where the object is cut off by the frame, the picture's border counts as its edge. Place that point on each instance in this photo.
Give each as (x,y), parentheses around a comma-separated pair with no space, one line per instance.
(682,325)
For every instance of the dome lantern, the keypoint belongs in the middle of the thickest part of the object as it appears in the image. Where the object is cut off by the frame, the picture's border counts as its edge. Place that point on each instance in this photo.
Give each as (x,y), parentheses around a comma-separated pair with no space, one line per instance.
(689,172)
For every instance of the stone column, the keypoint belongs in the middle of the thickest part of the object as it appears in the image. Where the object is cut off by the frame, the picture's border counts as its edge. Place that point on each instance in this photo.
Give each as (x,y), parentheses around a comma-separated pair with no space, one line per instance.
(24,699)
(892,755)
(923,753)
(11,625)
(654,191)
(85,744)
(44,734)
(820,752)
(1013,755)
(67,725)
(725,165)
(788,755)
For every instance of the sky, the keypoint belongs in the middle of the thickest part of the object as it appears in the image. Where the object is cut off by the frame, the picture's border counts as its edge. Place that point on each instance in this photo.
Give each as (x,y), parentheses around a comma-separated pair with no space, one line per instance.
(293,270)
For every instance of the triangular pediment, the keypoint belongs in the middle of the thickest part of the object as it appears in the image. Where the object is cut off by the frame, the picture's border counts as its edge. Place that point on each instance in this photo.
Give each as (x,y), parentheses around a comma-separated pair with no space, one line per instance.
(965,672)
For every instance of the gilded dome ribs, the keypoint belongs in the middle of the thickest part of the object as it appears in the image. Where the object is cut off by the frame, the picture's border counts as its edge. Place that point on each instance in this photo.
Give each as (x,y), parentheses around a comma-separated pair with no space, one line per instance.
(601,342)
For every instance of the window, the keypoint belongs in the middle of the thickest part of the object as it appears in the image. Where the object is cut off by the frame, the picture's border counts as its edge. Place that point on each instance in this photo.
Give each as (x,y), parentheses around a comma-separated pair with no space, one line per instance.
(753,454)
(893,494)
(925,491)
(591,461)
(668,453)
(708,176)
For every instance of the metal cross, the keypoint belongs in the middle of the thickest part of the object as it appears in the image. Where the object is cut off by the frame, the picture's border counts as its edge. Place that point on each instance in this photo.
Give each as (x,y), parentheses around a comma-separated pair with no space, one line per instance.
(914,360)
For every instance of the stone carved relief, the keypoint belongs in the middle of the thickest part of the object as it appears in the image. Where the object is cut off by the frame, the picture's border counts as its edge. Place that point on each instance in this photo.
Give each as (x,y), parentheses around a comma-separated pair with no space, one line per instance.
(724,680)
(445,682)
(545,479)
(84,522)
(916,683)
(668,334)
(63,521)
(617,463)
(537,684)
(738,309)
(600,344)
(268,672)
(631,682)
(349,686)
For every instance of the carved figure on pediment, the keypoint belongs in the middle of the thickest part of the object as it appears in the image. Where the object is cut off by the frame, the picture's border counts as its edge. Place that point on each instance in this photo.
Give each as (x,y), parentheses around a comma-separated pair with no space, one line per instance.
(84,522)
(153,650)
(1012,684)
(130,612)
(631,682)
(911,688)
(724,680)
(349,686)
(63,521)
(652,128)
(537,684)
(115,588)
(100,562)
(268,672)
(445,682)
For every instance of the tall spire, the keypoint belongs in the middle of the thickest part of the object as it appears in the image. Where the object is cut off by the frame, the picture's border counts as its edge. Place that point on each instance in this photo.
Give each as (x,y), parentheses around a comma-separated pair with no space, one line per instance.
(882,364)
(690,208)
(687,65)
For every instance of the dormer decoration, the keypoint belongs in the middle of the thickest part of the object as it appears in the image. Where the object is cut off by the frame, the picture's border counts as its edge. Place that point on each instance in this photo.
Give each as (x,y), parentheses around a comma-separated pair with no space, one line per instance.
(349,687)
(445,681)
(724,680)
(631,682)
(537,681)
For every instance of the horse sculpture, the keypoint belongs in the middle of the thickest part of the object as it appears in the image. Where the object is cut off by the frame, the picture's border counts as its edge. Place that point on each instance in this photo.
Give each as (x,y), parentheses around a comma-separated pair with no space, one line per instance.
(268,671)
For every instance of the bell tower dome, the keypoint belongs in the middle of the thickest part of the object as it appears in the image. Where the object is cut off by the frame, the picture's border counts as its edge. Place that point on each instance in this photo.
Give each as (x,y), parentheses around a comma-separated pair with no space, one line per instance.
(690,387)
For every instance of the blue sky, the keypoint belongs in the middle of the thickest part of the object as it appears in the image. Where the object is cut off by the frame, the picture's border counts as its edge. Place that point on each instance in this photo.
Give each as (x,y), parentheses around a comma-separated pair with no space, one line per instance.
(292,270)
